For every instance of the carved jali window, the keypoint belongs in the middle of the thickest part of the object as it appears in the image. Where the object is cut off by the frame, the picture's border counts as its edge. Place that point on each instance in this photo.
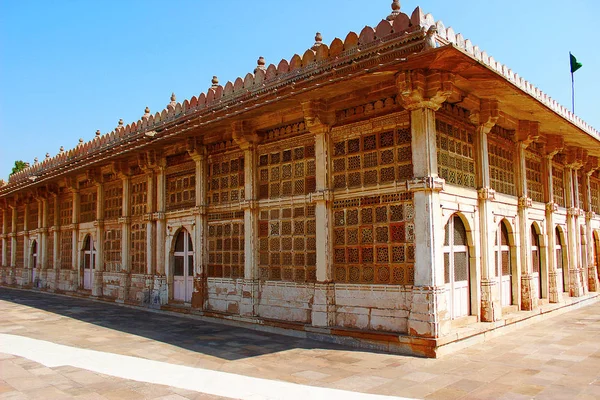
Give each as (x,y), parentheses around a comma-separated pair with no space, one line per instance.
(65,210)
(287,244)
(88,200)
(32,217)
(372,159)
(594,184)
(20,256)
(373,240)
(455,153)
(138,248)
(501,150)
(50,221)
(226,245)
(20,218)
(113,200)
(112,249)
(226,180)
(66,249)
(139,196)
(285,173)
(558,184)
(533,168)
(181,182)
(50,251)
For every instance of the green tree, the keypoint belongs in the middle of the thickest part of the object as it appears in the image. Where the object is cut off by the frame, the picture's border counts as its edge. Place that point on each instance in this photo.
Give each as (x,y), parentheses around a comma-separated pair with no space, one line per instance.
(19,165)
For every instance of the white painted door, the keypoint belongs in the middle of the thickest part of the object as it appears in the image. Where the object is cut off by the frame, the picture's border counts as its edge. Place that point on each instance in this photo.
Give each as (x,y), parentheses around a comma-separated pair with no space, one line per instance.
(183,267)
(536,282)
(456,268)
(33,261)
(503,265)
(89,256)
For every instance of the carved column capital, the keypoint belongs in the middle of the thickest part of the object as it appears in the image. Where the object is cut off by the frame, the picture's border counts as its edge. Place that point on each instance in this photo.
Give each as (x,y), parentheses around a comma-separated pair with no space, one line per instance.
(576,157)
(525,202)
(486,193)
(195,149)
(551,207)
(428,183)
(527,132)
(244,135)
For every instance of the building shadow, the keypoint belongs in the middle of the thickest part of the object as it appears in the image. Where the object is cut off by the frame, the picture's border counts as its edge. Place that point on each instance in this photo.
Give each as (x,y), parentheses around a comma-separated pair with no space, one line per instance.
(218,340)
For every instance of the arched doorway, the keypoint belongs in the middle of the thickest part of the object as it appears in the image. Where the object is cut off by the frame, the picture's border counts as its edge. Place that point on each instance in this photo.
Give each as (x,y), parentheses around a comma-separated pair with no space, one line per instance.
(535,262)
(503,264)
(583,260)
(89,261)
(33,259)
(560,260)
(183,267)
(456,268)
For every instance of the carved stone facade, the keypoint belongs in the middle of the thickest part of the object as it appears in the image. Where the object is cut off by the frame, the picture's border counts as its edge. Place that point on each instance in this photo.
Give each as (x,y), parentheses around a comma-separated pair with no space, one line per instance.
(385,190)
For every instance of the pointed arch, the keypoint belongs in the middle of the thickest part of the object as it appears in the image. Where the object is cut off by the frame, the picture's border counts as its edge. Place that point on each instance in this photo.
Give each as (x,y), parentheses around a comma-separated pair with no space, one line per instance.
(181,262)
(561,257)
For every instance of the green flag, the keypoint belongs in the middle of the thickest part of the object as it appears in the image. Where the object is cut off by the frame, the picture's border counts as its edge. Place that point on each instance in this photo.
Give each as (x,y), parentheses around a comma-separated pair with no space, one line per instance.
(575,65)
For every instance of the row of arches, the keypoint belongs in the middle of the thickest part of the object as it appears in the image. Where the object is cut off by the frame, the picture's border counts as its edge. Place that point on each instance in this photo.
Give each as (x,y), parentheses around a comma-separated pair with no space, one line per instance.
(459,263)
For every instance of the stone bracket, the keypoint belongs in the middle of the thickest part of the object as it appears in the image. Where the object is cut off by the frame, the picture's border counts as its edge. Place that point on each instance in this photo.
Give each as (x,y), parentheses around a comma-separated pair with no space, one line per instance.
(428,183)
(551,207)
(486,194)
(525,202)
(590,215)
(573,211)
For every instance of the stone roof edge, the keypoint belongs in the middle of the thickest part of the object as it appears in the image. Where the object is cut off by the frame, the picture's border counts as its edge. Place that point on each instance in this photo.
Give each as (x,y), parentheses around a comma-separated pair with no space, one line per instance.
(397,25)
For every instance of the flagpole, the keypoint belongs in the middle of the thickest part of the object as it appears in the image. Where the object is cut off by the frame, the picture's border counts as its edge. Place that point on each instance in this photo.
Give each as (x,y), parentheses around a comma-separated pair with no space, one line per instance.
(573,92)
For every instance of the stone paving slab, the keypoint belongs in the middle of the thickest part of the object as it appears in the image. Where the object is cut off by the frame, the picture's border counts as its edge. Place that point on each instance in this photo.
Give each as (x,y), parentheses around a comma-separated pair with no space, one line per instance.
(558,357)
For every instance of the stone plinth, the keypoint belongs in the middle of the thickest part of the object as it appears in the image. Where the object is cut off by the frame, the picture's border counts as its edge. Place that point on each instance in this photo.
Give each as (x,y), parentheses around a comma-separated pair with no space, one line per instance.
(429,316)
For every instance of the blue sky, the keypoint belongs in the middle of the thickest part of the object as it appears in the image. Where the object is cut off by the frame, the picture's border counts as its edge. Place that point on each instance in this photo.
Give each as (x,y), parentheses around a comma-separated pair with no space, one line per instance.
(68,68)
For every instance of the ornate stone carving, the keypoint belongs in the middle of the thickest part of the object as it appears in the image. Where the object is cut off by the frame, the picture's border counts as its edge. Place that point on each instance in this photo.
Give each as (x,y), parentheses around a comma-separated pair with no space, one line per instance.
(551,207)
(525,202)
(486,194)
(421,89)
(243,134)
(428,183)
(323,195)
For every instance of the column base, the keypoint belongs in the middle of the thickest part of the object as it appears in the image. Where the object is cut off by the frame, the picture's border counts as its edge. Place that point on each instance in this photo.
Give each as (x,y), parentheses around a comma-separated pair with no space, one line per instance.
(529,299)
(160,292)
(491,309)
(576,288)
(555,295)
(249,300)
(429,315)
(323,307)
(594,285)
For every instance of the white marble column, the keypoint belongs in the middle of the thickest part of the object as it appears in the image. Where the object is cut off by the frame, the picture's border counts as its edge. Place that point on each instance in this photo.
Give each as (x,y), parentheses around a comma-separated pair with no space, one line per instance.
(576,288)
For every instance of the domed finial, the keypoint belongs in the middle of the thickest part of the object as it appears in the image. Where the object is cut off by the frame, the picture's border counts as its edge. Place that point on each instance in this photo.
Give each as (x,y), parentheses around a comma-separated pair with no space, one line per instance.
(98,133)
(47,155)
(121,122)
(260,64)
(215,82)
(80,141)
(395,10)
(147,110)
(173,97)
(62,149)
(318,39)
(35,160)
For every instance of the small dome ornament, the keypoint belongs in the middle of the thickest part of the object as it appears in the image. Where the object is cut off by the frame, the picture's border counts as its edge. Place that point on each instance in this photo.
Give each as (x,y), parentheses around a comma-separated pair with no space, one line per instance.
(80,141)
(35,160)
(47,155)
(318,39)
(395,10)
(120,123)
(260,64)
(98,133)
(146,113)
(62,149)
(215,82)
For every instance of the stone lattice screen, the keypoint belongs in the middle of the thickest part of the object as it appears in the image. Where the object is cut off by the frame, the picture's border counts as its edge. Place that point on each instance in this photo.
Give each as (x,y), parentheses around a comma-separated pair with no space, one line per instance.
(287,243)
(50,251)
(32,220)
(112,249)
(594,186)
(88,199)
(580,189)
(65,209)
(20,218)
(533,168)
(139,196)
(66,248)
(226,245)
(373,239)
(181,182)
(226,179)
(286,172)
(113,200)
(558,184)
(138,247)
(20,259)
(501,152)
(372,159)
(455,151)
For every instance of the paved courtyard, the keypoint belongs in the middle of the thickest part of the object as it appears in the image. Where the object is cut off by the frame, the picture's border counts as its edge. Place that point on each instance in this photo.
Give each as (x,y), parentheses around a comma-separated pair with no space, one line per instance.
(61,348)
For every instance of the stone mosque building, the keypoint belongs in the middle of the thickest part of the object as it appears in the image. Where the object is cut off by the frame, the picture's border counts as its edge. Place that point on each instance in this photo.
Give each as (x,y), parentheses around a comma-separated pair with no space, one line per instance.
(398,190)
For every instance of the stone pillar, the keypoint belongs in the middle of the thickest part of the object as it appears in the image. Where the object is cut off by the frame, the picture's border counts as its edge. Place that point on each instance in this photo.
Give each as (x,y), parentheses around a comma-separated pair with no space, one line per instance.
(491,308)
(592,273)
(13,238)
(553,146)
(55,231)
(576,288)
(98,268)
(160,289)
(26,274)
(200,294)
(247,140)
(527,131)
(323,308)
(75,264)
(150,238)
(125,222)
(41,240)
(422,93)
(4,230)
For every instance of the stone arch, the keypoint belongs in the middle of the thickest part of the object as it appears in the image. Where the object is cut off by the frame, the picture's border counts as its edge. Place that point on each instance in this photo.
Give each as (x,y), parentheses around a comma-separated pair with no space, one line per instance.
(539,265)
(180,269)
(561,256)
(458,247)
(506,266)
